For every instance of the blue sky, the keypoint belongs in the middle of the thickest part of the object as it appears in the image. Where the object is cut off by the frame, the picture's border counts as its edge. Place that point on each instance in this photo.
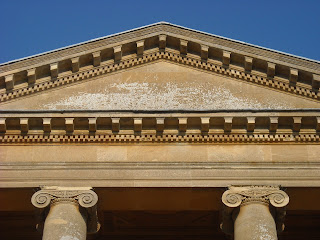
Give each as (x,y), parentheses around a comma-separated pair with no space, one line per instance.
(32,27)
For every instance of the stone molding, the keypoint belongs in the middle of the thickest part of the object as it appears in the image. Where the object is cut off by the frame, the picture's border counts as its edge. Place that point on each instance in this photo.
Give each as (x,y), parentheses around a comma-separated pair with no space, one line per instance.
(166,138)
(84,197)
(243,48)
(21,127)
(161,29)
(278,84)
(236,196)
(178,173)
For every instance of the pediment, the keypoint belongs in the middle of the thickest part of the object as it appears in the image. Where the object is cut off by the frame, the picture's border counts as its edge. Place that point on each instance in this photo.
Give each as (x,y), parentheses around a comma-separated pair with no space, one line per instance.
(160,86)
(194,70)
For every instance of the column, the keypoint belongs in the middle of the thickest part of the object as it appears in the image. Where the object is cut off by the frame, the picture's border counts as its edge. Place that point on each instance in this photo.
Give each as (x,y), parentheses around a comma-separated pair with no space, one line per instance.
(66,213)
(254,212)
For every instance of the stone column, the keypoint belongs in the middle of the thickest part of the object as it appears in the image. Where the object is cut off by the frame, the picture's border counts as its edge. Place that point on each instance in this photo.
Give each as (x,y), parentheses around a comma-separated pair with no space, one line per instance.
(254,212)
(66,213)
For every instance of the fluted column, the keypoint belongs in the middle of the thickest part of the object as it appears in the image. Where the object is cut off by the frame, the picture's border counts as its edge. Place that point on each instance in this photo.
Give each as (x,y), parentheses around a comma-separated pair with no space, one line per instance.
(66,213)
(254,212)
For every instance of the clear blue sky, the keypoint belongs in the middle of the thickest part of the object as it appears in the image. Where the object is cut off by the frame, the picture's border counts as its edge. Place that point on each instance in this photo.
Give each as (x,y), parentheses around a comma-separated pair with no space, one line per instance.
(31,27)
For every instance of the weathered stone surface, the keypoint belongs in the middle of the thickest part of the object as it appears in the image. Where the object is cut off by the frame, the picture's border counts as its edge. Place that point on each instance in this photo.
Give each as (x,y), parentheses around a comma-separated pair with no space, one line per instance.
(65,222)
(180,165)
(162,86)
(246,153)
(255,222)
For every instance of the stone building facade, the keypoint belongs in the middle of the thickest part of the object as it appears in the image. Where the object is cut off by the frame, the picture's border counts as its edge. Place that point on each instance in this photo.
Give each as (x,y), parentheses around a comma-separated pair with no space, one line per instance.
(160,132)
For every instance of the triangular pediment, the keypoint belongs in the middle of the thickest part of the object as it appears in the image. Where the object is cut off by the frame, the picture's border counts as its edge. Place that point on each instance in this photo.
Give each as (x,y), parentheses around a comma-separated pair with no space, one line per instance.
(160,66)
(161,86)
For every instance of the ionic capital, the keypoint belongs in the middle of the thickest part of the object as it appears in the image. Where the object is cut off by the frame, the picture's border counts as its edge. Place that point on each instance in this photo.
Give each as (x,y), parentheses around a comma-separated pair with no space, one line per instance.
(83,197)
(236,196)
(271,197)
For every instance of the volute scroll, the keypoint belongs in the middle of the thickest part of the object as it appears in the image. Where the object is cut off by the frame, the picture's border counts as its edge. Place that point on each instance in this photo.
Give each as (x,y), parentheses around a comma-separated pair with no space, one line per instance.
(41,199)
(232,199)
(88,199)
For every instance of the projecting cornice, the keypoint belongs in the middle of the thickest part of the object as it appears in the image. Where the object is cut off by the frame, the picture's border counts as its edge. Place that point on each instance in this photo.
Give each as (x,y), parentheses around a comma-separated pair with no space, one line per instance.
(161,41)
(245,126)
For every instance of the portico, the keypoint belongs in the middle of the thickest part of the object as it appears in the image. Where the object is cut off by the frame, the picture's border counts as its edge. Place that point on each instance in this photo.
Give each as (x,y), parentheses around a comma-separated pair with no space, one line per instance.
(160,132)
(67,219)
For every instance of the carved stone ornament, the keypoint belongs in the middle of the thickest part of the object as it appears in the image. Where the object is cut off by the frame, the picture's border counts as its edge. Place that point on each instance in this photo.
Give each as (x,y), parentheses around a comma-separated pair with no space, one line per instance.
(85,197)
(235,196)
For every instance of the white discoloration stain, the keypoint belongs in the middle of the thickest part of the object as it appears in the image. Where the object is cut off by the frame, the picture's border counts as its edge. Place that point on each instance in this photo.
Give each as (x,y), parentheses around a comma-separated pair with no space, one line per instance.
(69,238)
(155,96)
(264,233)
(73,230)
(59,221)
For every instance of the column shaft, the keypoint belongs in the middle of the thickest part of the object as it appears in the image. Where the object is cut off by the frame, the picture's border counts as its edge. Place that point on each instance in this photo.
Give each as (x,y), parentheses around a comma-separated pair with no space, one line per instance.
(255,222)
(65,222)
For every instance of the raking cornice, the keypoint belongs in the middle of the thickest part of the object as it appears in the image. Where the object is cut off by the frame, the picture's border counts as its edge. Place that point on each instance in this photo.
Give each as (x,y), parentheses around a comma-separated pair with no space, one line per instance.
(159,28)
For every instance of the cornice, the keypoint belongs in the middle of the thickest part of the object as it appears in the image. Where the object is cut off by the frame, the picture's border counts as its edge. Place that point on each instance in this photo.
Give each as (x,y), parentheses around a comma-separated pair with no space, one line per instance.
(244,48)
(159,28)
(77,50)
(63,127)
(166,42)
